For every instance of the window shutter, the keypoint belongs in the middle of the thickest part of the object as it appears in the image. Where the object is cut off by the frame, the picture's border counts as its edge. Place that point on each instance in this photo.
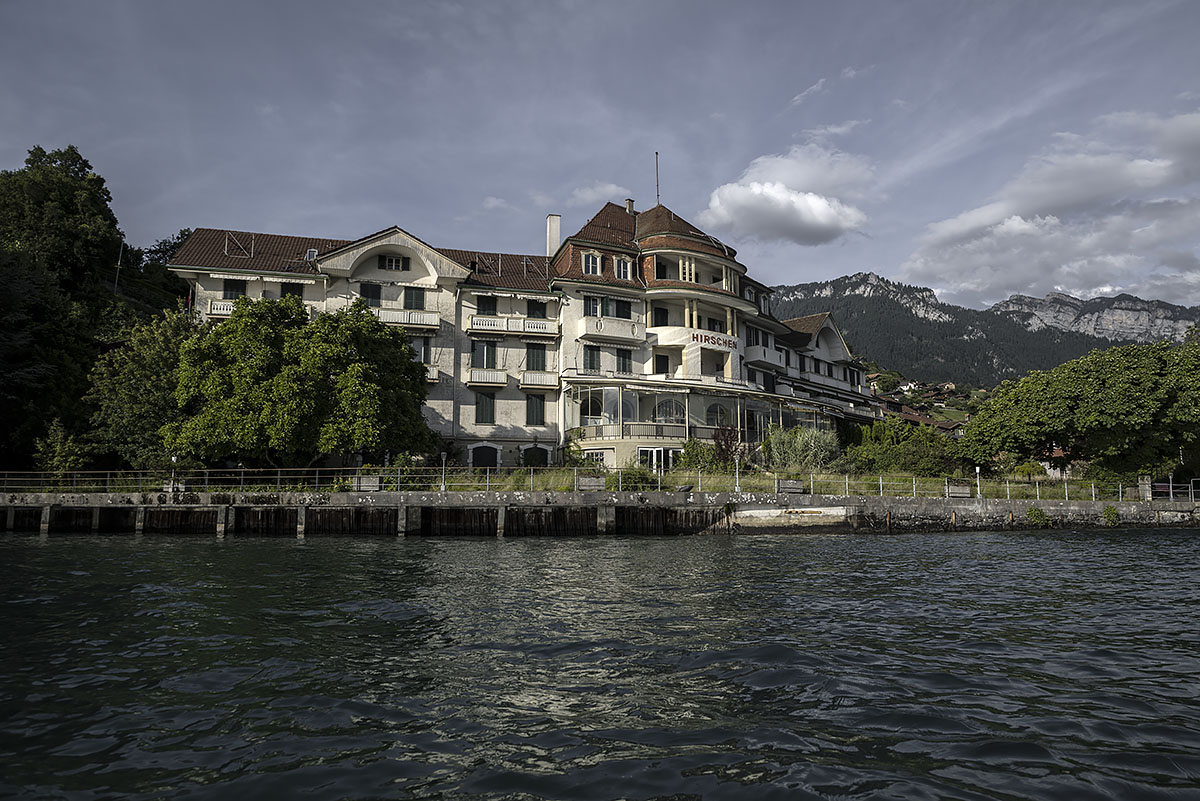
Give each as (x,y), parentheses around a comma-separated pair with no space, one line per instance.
(405,263)
(382,262)
(604,307)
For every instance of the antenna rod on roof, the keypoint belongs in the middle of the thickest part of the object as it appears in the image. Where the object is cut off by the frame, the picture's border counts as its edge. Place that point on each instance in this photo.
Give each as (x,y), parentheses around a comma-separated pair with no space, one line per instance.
(657,196)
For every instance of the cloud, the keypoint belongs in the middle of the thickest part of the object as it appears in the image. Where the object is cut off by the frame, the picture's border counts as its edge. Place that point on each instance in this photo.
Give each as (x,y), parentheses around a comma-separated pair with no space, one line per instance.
(1112,210)
(813,167)
(801,196)
(822,132)
(812,90)
(771,211)
(850,73)
(491,203)
(597,193)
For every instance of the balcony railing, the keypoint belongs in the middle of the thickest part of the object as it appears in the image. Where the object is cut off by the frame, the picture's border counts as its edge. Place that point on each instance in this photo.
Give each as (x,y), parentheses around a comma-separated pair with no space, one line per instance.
(512,325)
(676,431)
(220,308)
(408,317)
(539,378)
(431,372)
(484,375)
(613,329)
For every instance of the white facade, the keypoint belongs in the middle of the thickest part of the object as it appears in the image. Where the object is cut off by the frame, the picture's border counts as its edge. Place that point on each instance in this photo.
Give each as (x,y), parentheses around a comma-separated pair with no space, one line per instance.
(630,337)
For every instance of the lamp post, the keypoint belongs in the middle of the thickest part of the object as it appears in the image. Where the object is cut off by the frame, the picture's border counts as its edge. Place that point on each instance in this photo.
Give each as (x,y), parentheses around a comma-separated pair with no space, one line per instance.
(978,485)
(737,475)
(174,459)
(443,471)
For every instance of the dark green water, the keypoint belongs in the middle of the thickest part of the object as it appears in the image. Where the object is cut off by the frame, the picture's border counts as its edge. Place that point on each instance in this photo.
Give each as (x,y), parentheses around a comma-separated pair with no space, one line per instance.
(966,666)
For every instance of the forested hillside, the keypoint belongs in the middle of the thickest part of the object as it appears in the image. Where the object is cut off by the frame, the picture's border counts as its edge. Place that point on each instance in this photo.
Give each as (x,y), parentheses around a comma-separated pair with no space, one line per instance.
(905,328)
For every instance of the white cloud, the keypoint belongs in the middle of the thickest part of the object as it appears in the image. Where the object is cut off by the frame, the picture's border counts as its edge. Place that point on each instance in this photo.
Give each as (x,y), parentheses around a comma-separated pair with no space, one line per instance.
(491,203)
(596,194)
(825,131)
(772,211)
(813,167)
(812,90)
(1096,213)
(801,196)
(850,73)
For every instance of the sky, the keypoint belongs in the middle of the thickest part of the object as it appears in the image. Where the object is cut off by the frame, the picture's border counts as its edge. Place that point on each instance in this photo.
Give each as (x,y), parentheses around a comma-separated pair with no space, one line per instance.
(979,148)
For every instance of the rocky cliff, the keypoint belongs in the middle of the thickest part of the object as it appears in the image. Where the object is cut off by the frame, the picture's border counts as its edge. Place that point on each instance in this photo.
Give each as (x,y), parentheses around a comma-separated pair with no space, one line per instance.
(1121,318)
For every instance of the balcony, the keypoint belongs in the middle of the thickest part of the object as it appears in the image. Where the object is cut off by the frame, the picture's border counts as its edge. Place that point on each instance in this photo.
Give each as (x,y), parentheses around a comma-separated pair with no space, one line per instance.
(612,329)
(484,376)
(220,308)
(761,356)
(512,325)
(539,378)
(409,318)
(431,372)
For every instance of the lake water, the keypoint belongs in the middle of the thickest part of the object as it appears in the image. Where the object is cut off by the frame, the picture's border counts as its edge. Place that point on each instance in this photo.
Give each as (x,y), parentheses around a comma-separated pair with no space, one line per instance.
(965,666)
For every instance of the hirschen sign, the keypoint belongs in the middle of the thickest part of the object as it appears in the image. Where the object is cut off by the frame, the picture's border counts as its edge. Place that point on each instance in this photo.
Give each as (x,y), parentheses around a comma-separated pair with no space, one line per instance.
(715,341)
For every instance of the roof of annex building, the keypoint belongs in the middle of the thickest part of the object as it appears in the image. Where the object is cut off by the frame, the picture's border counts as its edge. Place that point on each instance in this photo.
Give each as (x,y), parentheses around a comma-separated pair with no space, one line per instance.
(214,248)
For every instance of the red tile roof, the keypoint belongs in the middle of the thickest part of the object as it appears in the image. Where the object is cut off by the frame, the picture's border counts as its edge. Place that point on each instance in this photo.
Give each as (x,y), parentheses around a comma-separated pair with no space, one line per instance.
(216,249)
(809,324)
(661,220)
(502,270)
(612,225)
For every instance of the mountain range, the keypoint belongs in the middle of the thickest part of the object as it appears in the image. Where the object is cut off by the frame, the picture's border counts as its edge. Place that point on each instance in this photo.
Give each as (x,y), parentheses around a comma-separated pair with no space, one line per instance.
(906,328)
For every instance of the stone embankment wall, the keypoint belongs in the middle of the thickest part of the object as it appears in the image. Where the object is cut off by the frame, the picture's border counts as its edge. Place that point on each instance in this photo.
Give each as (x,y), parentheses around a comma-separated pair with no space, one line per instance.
(547,513)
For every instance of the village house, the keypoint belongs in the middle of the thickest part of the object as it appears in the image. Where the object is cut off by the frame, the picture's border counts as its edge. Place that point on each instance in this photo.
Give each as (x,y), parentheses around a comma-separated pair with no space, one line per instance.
(623,341)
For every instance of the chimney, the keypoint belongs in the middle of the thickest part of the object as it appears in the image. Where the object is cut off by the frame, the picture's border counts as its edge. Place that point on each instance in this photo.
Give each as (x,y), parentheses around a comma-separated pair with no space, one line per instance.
(629,205)
(552,235)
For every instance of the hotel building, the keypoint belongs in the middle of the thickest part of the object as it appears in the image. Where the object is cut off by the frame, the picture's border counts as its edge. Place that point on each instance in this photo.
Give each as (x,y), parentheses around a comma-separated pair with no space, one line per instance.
(624,340)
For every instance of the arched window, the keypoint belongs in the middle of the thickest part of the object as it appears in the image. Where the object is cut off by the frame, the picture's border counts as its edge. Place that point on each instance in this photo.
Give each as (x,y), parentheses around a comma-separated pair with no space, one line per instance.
(485,456)
(535,456)
(669,411)
(717,415)
(590,410)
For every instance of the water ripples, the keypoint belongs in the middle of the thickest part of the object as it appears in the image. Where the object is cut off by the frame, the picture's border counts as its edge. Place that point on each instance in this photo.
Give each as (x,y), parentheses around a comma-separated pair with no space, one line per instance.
(925,666)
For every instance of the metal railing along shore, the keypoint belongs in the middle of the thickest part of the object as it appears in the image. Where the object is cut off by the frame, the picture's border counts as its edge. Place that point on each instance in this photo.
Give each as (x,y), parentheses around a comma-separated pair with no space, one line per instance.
(630,479)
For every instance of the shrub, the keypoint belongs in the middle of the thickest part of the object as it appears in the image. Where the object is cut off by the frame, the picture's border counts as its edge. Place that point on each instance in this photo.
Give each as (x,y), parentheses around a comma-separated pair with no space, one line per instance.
(1037,518)
(1112,518)
(632,479)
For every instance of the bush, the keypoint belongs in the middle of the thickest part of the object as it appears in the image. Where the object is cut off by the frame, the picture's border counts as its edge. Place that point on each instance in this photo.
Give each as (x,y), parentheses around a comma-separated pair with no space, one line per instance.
(799,449)
(632,479)
(1112,518)
(1029,470)
(1037,518)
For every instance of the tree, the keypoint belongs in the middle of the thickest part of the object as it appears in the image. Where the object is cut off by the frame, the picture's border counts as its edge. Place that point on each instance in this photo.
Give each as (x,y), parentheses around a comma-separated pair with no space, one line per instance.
(267,386)
(133,390)
(1134,408)
(56,211)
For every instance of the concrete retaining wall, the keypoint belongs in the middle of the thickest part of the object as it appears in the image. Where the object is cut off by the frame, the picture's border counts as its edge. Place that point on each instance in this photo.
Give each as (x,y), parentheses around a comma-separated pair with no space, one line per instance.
(546,513)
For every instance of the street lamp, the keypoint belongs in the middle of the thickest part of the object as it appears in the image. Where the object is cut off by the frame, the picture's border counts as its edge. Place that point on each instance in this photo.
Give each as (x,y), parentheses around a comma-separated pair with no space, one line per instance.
(174,459)
(978,490)
(737,476)
(443,471)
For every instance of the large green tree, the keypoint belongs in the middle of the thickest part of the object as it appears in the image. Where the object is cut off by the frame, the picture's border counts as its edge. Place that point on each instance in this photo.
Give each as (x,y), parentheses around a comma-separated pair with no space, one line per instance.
(1129,409)
(55,211)
(133,390)
(892,445)
(267,386)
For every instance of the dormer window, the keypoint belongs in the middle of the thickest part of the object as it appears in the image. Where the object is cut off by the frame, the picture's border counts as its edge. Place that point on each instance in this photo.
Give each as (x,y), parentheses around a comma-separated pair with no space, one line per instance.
(749,294)
(310,254)
(623,268)
(403,263)
(591,264)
